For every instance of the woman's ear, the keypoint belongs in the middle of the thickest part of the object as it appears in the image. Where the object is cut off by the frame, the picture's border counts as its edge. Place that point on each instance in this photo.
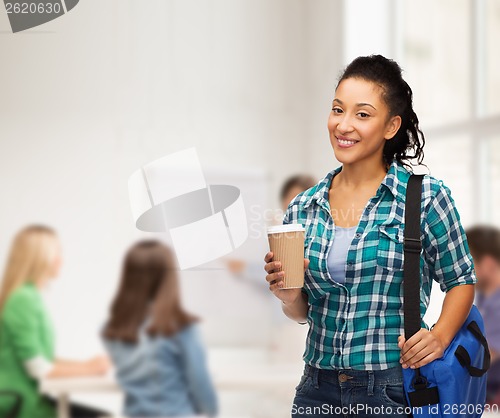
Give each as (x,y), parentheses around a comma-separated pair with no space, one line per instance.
(392,127)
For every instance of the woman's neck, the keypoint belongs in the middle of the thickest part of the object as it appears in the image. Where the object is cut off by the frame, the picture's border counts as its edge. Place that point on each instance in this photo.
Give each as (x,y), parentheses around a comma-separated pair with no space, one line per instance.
(357,176)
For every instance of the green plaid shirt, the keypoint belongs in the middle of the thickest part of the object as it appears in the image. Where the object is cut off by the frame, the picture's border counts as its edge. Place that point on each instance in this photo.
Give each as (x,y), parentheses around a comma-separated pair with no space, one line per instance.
(356,325)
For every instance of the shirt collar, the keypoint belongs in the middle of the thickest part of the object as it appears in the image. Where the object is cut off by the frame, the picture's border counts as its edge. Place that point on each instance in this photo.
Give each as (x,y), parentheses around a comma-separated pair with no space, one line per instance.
(395,181)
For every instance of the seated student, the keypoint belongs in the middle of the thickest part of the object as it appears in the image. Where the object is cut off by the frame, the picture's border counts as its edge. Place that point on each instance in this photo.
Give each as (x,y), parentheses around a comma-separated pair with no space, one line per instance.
(484,244)
(26,332)
(154,343)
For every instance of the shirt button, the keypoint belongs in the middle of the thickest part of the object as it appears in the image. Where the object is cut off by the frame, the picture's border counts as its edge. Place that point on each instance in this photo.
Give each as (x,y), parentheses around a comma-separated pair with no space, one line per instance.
(369,207)
(358,235)
(349,263)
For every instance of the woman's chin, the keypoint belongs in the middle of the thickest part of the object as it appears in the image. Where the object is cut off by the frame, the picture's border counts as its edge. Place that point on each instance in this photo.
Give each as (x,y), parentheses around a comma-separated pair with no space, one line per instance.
(342,158)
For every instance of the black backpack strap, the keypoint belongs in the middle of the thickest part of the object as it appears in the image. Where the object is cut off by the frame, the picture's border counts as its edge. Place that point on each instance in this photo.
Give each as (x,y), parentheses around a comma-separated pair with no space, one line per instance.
(422,394)
(464,358)
(412,248)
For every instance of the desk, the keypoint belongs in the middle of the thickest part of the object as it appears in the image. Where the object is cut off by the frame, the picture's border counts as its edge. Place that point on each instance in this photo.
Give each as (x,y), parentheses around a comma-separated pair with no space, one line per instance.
(61,389)
(236,378)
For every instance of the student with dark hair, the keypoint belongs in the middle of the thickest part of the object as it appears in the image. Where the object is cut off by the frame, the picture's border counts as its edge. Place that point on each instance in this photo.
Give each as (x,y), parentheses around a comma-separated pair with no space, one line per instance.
(484,242)
(154,343)
(293,186)
(352,297)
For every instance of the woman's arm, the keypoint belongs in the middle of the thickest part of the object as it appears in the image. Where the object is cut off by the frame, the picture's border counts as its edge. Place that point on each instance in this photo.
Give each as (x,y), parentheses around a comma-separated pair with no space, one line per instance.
(456,308)
(426,346)
(296,310)
(447,255)
(72,368)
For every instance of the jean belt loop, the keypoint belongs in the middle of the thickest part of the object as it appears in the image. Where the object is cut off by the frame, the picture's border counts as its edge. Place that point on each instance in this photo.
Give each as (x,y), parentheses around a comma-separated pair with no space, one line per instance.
(307,370)
(371,382)
(315,378)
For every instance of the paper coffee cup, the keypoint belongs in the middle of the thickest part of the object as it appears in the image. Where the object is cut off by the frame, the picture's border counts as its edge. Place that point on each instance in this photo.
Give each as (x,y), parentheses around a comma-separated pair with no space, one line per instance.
(287,244)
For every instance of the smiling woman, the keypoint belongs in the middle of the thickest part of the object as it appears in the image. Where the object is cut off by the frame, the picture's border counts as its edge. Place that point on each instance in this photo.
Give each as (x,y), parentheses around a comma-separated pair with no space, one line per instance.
(355,348)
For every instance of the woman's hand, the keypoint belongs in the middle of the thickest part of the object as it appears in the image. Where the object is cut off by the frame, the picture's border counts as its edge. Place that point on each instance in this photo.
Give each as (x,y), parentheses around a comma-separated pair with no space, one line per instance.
(275,279)
(422,348)
(99,365)
(96,366)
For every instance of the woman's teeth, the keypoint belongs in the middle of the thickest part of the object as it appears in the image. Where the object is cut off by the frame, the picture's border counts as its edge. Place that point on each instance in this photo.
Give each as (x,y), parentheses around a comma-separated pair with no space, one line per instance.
(344,142)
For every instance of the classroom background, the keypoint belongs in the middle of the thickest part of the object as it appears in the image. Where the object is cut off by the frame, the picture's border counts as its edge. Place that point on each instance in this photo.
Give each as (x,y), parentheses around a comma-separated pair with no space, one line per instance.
(90,97)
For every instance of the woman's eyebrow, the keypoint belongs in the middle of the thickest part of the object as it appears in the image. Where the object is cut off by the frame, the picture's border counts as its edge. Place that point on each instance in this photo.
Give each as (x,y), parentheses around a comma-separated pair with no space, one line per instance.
(365,104)
(357,104)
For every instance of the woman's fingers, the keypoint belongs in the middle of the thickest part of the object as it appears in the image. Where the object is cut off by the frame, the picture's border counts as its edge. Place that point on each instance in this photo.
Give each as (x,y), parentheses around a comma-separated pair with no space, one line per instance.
(401,341)
(415,353)
(426,360)
(409,351)
(275,277)
(420,349)
(276,286)
(272,266)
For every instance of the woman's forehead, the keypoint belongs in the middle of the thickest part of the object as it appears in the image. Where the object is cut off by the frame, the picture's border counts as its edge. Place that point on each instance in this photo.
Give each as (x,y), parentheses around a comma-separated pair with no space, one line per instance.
(357,90)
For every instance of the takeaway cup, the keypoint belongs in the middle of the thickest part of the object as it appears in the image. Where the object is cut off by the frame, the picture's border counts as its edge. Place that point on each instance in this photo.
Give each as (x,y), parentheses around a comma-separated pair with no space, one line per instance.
(287,244)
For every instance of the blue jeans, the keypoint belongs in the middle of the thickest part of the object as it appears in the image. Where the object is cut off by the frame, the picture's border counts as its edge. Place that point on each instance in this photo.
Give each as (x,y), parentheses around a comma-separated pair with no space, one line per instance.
(350,393)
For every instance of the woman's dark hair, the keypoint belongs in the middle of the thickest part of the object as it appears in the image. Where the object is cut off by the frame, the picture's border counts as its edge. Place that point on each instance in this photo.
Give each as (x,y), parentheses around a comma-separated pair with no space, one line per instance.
(148,290)
(483,240)
(398,96)
(302,181)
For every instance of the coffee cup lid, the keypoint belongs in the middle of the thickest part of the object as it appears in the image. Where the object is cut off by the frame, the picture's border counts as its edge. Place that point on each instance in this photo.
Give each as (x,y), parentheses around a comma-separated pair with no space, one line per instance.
(285,228)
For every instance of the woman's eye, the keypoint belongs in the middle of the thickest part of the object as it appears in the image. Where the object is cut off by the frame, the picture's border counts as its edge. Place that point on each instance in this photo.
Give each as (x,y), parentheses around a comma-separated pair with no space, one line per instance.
(363,115)
(337,110)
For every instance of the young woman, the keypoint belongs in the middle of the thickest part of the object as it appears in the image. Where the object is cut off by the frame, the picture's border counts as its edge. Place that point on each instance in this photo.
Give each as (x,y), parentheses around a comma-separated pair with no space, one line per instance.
(354,219)
(154,343)
(26,332)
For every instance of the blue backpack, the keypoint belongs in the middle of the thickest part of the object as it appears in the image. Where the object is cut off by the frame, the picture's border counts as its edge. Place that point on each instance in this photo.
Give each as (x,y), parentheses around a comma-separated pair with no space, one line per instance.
(455,384)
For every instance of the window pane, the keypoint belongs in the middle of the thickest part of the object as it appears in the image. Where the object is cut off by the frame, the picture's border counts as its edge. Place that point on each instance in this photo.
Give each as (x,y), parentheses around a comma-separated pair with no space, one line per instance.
(492,40)
(493,196)
(455,170)
(436,58)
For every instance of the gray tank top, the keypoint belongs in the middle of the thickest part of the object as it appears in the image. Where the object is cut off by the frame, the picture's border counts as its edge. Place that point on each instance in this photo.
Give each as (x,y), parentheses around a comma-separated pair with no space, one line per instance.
(338,252)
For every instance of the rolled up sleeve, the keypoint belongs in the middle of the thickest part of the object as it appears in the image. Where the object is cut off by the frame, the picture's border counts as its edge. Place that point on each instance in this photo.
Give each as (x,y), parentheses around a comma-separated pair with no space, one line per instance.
(21,321)
(445,244)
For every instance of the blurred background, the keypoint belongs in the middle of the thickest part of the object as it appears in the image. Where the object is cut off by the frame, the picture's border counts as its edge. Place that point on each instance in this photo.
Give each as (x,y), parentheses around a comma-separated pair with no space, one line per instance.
(94,95)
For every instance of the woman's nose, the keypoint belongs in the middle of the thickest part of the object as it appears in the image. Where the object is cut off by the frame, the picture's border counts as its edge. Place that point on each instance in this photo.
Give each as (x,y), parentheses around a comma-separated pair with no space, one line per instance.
(344,124)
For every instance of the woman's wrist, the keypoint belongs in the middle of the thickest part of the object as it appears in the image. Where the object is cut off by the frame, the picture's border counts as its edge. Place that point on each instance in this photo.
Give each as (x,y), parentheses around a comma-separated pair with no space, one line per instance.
(299,298)
(443,337)
(296,309)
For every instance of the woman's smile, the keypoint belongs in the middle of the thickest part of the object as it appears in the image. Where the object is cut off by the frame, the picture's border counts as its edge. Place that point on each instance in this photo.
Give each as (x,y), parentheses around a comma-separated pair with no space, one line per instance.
(345,142)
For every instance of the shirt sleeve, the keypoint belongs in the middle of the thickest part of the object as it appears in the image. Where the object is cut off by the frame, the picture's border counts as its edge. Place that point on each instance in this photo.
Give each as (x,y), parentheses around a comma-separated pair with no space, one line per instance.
(38,367)
(198,379)
(21,320)
(445,244)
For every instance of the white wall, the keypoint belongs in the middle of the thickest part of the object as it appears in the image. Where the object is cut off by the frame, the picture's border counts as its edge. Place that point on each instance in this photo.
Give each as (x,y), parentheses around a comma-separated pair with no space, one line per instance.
(92,96)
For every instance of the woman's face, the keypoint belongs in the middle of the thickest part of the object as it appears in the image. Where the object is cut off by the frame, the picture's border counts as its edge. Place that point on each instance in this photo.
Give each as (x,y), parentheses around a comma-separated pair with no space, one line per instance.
(55,267)
(359,123)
